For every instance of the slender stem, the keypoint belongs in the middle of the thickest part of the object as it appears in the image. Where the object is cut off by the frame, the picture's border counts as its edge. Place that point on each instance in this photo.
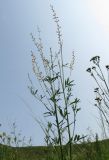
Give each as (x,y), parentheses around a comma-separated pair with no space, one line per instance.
(103,78)
(56,112)
(58,127)
(74,122)
(99,85)
(103,125)
(59,133)
(63,88)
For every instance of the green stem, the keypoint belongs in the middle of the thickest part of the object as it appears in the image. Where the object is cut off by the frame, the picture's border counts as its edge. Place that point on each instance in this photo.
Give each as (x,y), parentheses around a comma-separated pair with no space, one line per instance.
(56,116)
(104,79)
(59,133)
(63,88)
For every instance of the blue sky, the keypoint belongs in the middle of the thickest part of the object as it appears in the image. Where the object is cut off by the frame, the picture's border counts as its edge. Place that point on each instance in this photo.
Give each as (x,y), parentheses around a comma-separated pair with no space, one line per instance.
(82,31)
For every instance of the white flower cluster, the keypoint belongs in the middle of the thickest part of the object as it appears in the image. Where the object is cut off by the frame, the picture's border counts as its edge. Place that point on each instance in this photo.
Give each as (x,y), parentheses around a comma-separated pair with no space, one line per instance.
(36,69)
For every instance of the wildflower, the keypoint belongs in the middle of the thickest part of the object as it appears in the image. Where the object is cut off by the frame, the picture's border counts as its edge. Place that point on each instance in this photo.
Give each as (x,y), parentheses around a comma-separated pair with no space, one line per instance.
(40,76)
(89,70)
(98,99)
(46,62)
(36,69)
(33,57)
(72,61)
(96,89)
(95,60)
(93,67)
(107,67)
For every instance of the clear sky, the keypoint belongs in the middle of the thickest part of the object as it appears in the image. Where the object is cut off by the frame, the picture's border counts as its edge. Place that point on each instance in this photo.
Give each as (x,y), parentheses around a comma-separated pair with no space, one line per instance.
(85,28)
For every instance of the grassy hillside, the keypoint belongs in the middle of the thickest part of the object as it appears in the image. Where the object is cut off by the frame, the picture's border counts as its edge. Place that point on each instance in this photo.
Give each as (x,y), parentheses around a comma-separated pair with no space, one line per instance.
(98,150)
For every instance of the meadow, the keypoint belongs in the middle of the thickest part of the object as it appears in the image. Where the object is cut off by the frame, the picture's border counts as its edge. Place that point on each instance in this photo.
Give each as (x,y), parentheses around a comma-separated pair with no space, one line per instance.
(98,150)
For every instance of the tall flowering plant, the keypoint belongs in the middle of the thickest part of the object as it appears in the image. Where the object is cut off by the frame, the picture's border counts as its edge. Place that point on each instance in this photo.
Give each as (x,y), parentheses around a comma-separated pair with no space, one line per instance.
(101,92)
(56,86)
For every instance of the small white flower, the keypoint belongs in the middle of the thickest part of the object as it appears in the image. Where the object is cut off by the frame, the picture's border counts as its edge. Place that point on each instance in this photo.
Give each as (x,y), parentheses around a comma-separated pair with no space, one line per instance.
(72,61)
(46,62)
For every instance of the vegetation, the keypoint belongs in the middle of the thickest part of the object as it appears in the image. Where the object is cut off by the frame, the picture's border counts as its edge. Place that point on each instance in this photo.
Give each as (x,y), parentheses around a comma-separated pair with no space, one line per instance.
(61,110)
(101,93)
(97,150)
(55,93)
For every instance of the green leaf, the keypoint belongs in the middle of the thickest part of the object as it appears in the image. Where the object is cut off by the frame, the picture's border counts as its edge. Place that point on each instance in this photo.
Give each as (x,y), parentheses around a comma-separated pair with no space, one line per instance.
(69,83)
(77,138)
(47,114)
(50,79)
(61,112)
(49,125)
(75,101)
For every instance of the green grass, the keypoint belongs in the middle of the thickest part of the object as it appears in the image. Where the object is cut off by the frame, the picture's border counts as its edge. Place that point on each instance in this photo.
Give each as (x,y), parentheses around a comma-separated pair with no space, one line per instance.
(98,150)
(23,153)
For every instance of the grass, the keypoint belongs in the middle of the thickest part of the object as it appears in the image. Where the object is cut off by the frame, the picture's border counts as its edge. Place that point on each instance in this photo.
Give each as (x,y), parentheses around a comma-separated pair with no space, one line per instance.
(98,150)
(22,153)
